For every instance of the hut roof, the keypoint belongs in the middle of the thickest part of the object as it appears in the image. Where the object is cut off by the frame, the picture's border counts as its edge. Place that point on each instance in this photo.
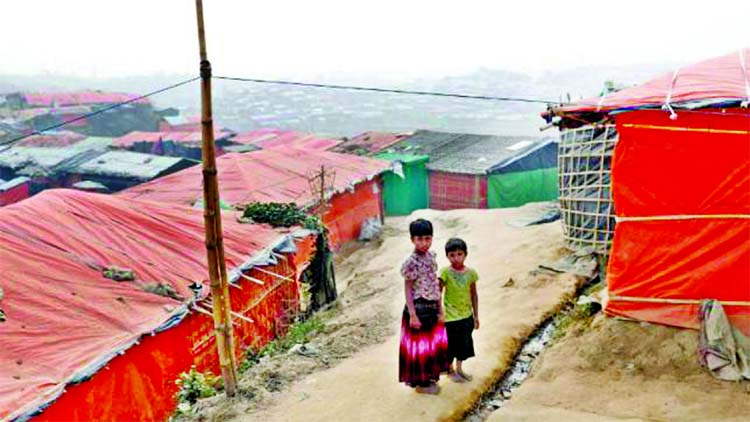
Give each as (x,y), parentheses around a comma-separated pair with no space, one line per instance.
(466,153)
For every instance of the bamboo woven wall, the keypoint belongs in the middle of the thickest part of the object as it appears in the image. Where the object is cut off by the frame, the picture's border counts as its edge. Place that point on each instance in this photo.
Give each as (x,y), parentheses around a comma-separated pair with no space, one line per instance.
(584,162)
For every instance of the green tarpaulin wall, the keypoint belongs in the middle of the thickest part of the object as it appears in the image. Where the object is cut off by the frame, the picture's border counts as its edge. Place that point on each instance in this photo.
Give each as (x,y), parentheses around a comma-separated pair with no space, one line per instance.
(401,196)
(518,188)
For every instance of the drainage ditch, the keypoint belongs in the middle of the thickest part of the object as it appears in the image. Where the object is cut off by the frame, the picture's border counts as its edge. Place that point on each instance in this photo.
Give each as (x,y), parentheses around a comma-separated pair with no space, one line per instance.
(502,391)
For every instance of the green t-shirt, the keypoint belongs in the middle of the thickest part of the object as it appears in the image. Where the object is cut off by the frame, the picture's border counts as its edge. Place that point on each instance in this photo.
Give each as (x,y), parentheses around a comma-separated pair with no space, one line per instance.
(457,296)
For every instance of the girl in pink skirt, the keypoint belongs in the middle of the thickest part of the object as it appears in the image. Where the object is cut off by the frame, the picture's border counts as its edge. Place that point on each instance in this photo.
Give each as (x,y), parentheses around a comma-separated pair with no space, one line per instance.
(424,343)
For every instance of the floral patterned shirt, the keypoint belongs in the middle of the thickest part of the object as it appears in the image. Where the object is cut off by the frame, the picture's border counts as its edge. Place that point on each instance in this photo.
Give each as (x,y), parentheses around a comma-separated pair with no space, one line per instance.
(422,269)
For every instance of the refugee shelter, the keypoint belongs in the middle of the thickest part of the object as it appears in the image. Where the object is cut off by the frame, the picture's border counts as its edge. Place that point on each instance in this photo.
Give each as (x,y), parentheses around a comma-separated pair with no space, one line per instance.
(284,175)
(80,344)
(180,123)
(406,188)
(585,186)
(56,139)
(484,171)
(278,138)
(14,190)
(118,170)
(10,132)
(681,191)
(44,109)
(174,144)
(369,143)
(47,166)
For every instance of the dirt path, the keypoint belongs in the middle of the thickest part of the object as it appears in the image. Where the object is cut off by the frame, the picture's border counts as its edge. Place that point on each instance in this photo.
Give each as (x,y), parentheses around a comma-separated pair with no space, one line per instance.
(625,371)
(341,383)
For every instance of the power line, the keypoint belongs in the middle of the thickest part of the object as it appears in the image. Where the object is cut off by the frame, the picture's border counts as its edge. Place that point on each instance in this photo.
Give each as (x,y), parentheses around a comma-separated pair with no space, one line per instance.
(388,90)
(445,94)
(100,111)
(328,86)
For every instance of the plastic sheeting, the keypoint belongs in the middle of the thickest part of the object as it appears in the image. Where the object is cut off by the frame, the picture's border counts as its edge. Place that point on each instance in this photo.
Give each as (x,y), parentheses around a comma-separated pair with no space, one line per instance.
(139,385)
(14,190)
(186,137)
(519,188)
(52,139)
(282,175)
(543,155)
(275,175)
(66,321)
(719,79)
(370,142)
(349,211)
(79,98)
(409,192)
(449,191)
(689,179)
(277,138)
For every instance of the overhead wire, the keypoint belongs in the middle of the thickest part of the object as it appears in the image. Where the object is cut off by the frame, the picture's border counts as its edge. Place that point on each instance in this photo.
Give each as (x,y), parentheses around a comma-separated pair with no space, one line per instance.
(331,86)
(387,90)
(437,94)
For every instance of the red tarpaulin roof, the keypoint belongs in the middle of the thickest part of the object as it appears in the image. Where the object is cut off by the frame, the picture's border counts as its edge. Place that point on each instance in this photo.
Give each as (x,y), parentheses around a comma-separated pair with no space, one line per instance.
(272,175)
(185,137)
(48,99)
(272,138)
(373,142)
(721,78)
(64,319)
(57,139)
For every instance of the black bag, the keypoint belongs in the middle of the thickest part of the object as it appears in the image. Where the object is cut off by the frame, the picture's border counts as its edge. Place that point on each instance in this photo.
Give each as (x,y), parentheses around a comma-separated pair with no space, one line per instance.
(427,312)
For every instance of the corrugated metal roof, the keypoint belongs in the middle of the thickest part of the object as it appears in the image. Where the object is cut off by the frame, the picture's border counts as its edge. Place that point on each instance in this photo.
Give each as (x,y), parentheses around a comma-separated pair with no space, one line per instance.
(46,160)
(127,164)
(4,186)
(404,158)
(19,157)
(465,153)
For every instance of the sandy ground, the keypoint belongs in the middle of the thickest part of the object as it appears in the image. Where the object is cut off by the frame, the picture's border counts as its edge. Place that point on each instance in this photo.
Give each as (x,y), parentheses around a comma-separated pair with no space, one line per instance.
(359,380)
(613,370)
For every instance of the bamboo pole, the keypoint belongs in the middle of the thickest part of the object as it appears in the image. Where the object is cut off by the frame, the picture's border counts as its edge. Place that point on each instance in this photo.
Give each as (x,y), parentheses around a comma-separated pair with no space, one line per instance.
(212,219)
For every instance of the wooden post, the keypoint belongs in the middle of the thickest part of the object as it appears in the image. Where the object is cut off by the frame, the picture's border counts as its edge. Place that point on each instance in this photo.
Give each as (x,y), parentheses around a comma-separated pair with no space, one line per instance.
(217,270)
(322,207)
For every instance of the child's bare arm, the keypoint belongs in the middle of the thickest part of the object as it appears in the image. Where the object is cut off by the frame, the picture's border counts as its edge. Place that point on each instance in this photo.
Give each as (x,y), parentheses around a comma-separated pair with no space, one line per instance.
(475,304)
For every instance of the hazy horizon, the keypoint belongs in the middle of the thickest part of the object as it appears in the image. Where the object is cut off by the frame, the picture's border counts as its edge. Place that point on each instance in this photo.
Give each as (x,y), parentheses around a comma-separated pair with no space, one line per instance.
(340,40)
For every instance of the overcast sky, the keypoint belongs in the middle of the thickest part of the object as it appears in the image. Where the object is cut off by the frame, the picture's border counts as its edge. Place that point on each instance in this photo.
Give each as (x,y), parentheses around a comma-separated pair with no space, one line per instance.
(391,38)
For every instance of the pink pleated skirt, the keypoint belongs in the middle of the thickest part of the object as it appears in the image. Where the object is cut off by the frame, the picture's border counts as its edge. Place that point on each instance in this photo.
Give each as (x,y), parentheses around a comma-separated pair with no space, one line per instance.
(423,352)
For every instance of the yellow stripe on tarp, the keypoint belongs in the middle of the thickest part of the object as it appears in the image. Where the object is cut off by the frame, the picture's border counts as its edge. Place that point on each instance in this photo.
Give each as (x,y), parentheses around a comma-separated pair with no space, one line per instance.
(687,129)
(619,219)
(673,301)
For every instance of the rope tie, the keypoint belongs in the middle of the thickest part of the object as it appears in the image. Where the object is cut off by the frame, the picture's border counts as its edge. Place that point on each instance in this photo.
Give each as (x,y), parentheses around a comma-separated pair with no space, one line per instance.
(747,81)
(667,103)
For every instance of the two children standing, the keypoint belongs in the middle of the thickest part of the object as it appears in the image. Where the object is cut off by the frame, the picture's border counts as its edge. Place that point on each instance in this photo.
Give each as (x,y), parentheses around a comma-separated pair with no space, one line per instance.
(436,328)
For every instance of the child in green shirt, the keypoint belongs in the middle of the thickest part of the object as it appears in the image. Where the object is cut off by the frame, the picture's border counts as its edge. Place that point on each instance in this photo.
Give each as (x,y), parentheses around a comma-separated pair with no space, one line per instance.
(460,305)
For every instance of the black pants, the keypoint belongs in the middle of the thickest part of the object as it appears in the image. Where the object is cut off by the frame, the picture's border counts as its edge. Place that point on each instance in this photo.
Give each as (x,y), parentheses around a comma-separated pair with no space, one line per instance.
(460,343)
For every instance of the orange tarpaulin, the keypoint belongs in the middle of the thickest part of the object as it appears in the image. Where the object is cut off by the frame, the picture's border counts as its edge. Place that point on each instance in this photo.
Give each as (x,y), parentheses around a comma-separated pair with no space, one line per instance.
(681,190)
(719,79)
(67,323)
(140,385)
